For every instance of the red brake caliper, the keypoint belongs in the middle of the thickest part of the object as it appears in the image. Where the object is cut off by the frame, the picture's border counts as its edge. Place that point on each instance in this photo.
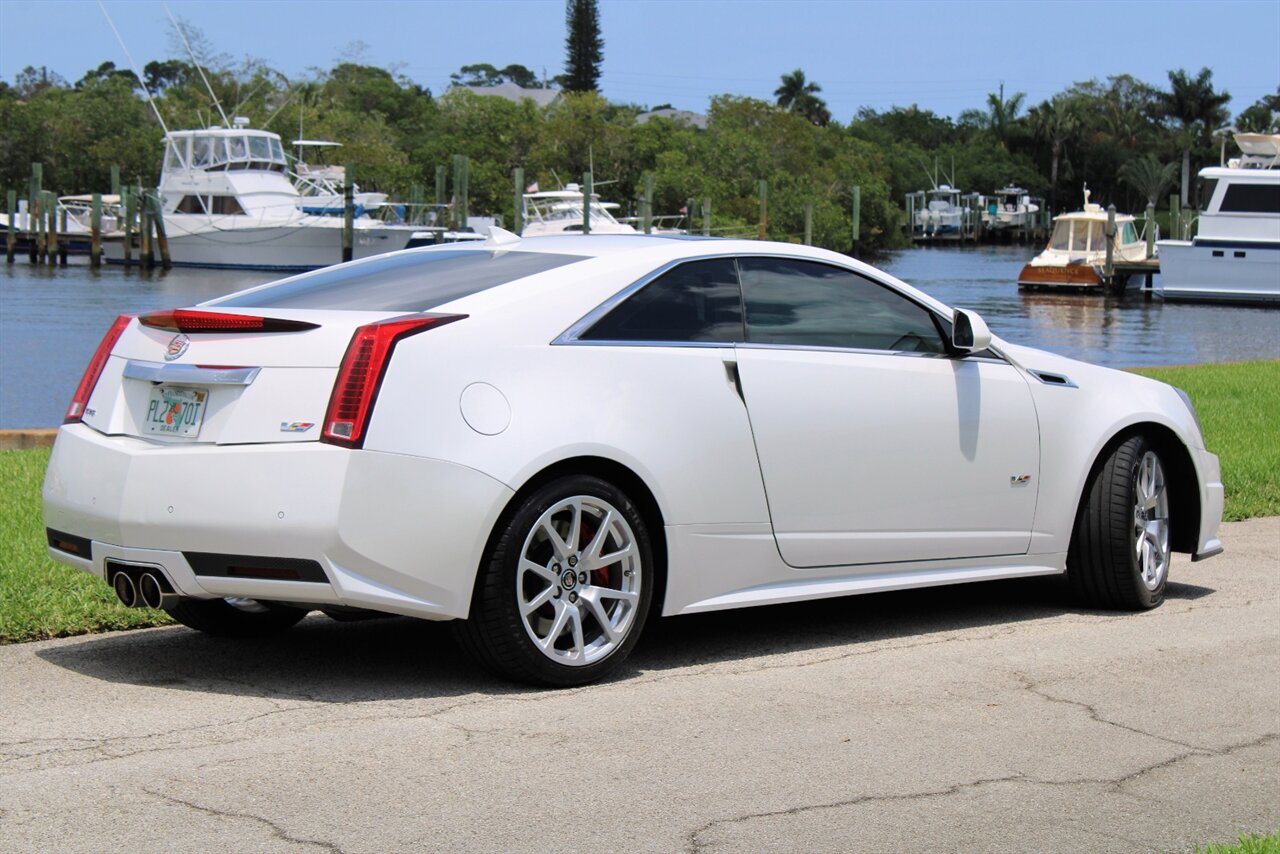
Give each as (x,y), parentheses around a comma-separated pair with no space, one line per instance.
(599,577)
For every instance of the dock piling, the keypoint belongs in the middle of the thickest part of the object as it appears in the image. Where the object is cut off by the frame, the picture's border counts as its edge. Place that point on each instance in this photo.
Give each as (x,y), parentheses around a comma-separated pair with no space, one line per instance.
(162,236)
(857,219)
(348,219)
(764,211)
(646,211)
(517,182)
(127,205)
(62,244)
(11,236)
(706,216)
(808,223)
(115,179)
(146,253)
(588,191)
(1109,269)
(95,231)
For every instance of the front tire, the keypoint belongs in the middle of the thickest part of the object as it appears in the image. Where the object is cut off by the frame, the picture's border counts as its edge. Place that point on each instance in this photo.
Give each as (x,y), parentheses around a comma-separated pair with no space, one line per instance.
(565,587)
(235,618)
(1119,552)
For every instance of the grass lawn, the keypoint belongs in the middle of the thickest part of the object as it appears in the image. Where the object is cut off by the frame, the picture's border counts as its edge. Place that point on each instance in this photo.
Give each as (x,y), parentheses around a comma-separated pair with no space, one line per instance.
(1239,408)
(1251,844)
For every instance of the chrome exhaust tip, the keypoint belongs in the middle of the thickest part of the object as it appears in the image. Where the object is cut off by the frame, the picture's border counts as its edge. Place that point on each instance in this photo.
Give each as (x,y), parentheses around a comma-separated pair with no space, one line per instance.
(125,589)
(155,590)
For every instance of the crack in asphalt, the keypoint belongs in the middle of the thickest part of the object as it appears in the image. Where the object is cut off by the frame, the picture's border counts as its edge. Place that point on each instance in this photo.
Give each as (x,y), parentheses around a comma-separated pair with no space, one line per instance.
(694,845)
(276,830)
(1033,687)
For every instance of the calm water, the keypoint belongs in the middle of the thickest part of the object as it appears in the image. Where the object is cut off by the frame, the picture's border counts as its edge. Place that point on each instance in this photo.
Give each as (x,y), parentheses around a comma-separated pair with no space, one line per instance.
(51,319)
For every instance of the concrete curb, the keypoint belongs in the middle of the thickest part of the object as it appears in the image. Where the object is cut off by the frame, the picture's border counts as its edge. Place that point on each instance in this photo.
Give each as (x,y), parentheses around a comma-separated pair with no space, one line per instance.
(20,440)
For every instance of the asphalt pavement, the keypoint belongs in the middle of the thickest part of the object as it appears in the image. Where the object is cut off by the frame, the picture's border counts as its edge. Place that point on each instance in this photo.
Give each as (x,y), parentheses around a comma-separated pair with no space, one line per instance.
(989,717)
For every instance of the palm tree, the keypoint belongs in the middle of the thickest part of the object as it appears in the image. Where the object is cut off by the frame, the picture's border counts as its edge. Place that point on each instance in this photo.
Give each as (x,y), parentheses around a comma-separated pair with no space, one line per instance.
(1002,114)
(1197,109)
(798,95)
(1149,176)
(1055,122)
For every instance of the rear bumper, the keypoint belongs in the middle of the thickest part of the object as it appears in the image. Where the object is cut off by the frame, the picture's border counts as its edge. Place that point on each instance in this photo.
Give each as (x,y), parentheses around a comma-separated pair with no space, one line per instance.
(392,533)
(1211,503)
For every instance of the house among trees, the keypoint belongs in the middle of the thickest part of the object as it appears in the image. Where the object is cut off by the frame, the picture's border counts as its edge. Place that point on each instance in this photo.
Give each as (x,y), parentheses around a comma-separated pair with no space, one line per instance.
(515,93)
(680,117)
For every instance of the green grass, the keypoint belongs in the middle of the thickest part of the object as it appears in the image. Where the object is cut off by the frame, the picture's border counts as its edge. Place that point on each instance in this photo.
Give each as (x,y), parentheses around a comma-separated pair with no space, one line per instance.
(40,598)
(1251,844)
(1239,408)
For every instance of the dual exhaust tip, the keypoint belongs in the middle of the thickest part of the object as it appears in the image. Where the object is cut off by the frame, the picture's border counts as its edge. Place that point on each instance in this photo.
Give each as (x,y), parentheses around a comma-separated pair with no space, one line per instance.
(143,589)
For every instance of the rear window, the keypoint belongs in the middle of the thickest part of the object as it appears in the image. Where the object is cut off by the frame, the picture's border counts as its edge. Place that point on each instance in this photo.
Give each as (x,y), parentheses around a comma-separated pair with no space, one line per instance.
(417,281)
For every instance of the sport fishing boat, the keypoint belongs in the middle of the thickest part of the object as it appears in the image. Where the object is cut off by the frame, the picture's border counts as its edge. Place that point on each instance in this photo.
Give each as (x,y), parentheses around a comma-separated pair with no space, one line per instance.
(321,185)
(943,214)
(1010,207)
(1077,250)
(1235,255)
(228,201)
(561,212)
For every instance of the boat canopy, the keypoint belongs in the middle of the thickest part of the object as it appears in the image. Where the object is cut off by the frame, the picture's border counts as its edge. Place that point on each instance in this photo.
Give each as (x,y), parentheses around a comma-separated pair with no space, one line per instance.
(222,149)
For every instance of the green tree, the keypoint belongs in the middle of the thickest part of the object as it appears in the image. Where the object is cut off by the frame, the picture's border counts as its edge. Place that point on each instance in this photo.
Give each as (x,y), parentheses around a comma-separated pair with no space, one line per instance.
(584,46)
(1198,110)
(1002,114)
(1055,122)
(798,95)
(1151,178)
(1261,117)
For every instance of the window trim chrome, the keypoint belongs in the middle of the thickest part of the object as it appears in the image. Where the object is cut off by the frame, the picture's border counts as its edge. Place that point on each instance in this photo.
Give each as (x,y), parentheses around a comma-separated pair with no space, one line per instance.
(571,336)
(156,372)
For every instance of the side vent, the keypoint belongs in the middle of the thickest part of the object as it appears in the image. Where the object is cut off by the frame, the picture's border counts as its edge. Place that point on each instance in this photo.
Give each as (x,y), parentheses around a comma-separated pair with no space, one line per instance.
(1050,378)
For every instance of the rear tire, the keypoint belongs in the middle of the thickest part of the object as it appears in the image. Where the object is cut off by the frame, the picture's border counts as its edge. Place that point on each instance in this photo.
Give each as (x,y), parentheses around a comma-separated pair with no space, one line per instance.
(239,618)
(564,588)
(1119,552)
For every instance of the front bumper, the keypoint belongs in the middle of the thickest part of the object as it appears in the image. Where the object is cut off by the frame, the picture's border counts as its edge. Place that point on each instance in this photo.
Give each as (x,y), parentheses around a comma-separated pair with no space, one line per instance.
(393,533)
(1211,504)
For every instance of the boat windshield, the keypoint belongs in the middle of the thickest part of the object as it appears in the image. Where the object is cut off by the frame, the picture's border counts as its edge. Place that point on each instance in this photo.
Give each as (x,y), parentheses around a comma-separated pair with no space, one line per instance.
(220,152)
(1061,235)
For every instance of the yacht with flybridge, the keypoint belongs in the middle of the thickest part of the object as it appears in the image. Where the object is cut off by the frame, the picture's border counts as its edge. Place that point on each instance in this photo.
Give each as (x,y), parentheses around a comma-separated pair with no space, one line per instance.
(1235,255)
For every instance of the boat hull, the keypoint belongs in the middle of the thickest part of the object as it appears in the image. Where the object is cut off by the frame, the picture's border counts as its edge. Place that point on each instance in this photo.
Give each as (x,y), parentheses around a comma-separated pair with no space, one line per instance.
(1220,271)
(282,247)
(1069,276)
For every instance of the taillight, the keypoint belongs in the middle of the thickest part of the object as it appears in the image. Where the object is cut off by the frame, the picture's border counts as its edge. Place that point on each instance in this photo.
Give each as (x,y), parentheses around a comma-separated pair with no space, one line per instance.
(190,320)
(361,373)
(75,412)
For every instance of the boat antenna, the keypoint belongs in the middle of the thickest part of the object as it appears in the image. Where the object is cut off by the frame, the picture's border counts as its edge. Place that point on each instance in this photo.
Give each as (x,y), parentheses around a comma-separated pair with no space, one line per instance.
(182,35)
(134,66)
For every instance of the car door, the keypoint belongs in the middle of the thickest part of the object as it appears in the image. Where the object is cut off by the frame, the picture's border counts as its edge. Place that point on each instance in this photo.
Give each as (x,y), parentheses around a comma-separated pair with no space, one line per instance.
(875,445)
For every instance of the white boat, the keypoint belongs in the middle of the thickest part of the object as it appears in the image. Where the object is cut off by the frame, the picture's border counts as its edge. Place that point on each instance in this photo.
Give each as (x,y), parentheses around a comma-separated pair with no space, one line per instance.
(943,214)
(321,186)
(228,202)
(1077,250)
(561,212)
(1235,255)
(1010,207)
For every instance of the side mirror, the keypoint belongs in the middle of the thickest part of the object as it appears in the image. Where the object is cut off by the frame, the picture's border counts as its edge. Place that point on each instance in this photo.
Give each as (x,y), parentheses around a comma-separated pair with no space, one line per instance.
(969,333)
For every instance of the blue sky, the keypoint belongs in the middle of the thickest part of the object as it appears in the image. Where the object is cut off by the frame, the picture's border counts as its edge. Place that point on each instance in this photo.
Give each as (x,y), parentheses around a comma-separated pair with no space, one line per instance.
(944,56)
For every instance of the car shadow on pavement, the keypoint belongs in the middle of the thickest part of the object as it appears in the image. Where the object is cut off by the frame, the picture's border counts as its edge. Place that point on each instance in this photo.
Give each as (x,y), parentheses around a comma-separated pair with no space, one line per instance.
(322,660)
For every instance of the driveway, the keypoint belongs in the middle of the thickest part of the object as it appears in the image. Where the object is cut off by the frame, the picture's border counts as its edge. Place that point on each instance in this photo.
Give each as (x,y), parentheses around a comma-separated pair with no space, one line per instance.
(987,717)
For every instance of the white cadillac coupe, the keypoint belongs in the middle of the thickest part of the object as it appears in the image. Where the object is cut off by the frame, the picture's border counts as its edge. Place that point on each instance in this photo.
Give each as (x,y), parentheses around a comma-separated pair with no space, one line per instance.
(550,440)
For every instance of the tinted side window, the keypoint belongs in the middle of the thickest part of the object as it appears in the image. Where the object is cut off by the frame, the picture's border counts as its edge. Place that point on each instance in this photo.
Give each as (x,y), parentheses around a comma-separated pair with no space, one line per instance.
(1252,198)
(697,301)
(809,304)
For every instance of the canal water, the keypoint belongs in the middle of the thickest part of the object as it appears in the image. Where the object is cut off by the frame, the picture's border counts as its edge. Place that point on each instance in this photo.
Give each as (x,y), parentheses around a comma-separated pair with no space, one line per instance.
(52,318)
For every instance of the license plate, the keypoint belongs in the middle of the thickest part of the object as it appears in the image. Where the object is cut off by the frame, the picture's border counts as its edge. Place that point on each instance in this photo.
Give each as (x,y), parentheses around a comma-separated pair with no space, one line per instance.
(175,411)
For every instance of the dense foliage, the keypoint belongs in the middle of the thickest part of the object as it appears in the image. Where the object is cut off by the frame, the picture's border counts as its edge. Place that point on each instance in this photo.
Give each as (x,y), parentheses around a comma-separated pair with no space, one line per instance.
(1120,136)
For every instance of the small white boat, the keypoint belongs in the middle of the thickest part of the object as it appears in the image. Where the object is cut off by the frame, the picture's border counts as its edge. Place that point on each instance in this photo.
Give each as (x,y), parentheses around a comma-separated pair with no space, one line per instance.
(943,214)
(1235,255)
(1077,250)
(321,186)
(228,201)
(561,212)
(1010,207)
